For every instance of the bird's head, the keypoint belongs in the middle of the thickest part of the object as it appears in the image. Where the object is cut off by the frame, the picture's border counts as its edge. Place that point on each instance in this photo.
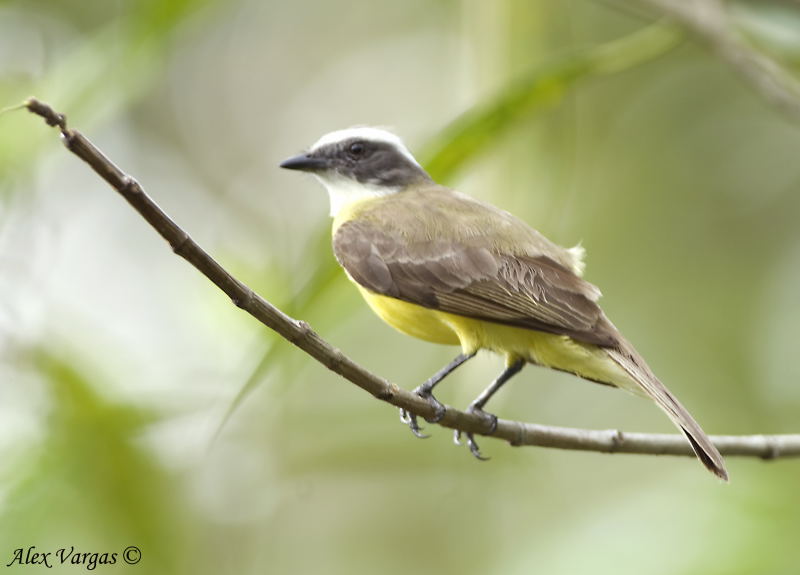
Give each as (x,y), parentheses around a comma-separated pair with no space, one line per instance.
(357,163)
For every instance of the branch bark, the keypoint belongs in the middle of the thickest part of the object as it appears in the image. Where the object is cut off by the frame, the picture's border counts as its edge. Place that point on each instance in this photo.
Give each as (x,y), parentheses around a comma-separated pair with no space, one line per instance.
(301,335)
(709,21)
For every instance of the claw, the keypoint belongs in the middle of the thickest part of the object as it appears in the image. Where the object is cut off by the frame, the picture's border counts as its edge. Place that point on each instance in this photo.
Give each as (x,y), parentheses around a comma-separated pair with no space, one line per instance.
(474,449)
(411,420)
(471,443)
(425,391)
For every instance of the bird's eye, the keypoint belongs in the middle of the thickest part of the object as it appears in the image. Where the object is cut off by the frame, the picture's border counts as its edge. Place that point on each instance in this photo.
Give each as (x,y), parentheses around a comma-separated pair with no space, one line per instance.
(356,149)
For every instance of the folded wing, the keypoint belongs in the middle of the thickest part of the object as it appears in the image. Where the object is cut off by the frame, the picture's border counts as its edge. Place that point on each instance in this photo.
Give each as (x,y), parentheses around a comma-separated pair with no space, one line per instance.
(529,291)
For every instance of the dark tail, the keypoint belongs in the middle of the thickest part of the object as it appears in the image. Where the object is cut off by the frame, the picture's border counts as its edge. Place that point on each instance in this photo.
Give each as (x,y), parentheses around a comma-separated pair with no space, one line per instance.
(633,364)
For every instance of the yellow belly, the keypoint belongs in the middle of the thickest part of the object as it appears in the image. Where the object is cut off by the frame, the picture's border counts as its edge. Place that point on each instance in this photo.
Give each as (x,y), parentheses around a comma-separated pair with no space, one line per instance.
(555,351)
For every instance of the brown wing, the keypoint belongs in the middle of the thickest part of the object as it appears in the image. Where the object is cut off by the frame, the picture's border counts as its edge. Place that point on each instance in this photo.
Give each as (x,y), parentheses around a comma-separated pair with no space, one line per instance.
(463,278)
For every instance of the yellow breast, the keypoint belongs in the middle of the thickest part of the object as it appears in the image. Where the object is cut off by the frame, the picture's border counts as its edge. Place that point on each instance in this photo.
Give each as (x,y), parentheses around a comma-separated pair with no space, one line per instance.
(550,350)
(412,319)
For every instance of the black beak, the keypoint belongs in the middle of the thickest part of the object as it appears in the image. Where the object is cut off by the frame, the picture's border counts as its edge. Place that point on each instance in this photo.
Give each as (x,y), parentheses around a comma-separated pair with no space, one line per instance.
(305,163)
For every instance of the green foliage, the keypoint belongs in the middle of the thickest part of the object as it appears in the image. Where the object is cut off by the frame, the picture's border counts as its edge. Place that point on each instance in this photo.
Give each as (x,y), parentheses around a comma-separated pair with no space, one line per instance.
(86,79)
(473,132)
(91,466)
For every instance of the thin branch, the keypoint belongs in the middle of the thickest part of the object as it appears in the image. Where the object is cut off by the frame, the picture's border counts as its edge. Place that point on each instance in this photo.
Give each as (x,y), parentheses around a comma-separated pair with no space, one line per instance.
(300,334)
(709,21)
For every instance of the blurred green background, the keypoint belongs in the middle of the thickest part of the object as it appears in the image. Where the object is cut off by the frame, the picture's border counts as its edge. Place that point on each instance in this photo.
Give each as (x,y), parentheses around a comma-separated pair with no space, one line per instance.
(588,119)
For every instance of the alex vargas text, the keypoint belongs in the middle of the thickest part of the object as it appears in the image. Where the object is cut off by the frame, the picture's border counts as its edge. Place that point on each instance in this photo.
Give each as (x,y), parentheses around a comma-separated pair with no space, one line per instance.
(63,556)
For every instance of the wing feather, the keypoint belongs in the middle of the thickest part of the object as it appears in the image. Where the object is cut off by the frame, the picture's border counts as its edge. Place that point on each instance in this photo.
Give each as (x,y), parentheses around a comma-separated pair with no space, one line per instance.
(529,291)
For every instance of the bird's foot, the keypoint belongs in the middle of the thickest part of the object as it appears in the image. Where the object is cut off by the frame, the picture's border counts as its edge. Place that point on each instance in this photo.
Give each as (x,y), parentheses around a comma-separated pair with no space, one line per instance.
(474,449)
(410,419)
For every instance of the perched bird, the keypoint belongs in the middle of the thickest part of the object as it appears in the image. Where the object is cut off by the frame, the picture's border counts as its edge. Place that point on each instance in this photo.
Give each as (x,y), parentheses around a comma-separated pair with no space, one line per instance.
(447,268)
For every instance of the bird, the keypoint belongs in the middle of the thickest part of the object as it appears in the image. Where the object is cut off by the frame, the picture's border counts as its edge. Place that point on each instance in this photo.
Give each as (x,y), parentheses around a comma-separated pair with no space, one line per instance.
(444,267)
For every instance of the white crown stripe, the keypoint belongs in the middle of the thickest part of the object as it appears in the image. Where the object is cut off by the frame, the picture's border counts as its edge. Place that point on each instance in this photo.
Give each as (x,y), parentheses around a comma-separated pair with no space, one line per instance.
(364,133)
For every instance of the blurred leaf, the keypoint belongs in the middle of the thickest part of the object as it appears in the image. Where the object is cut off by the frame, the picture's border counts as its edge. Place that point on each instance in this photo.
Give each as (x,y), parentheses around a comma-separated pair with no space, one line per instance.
(326,276)
(91,465)
(112,66)
(772,27)
(474,131)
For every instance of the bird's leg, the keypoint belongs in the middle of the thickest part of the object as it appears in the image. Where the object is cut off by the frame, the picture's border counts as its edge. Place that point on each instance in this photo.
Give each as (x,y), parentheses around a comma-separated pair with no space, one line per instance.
(477,407)
(426,391)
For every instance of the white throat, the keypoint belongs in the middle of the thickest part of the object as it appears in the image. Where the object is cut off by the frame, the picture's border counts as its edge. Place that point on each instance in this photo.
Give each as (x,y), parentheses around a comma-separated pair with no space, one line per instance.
(344,191)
